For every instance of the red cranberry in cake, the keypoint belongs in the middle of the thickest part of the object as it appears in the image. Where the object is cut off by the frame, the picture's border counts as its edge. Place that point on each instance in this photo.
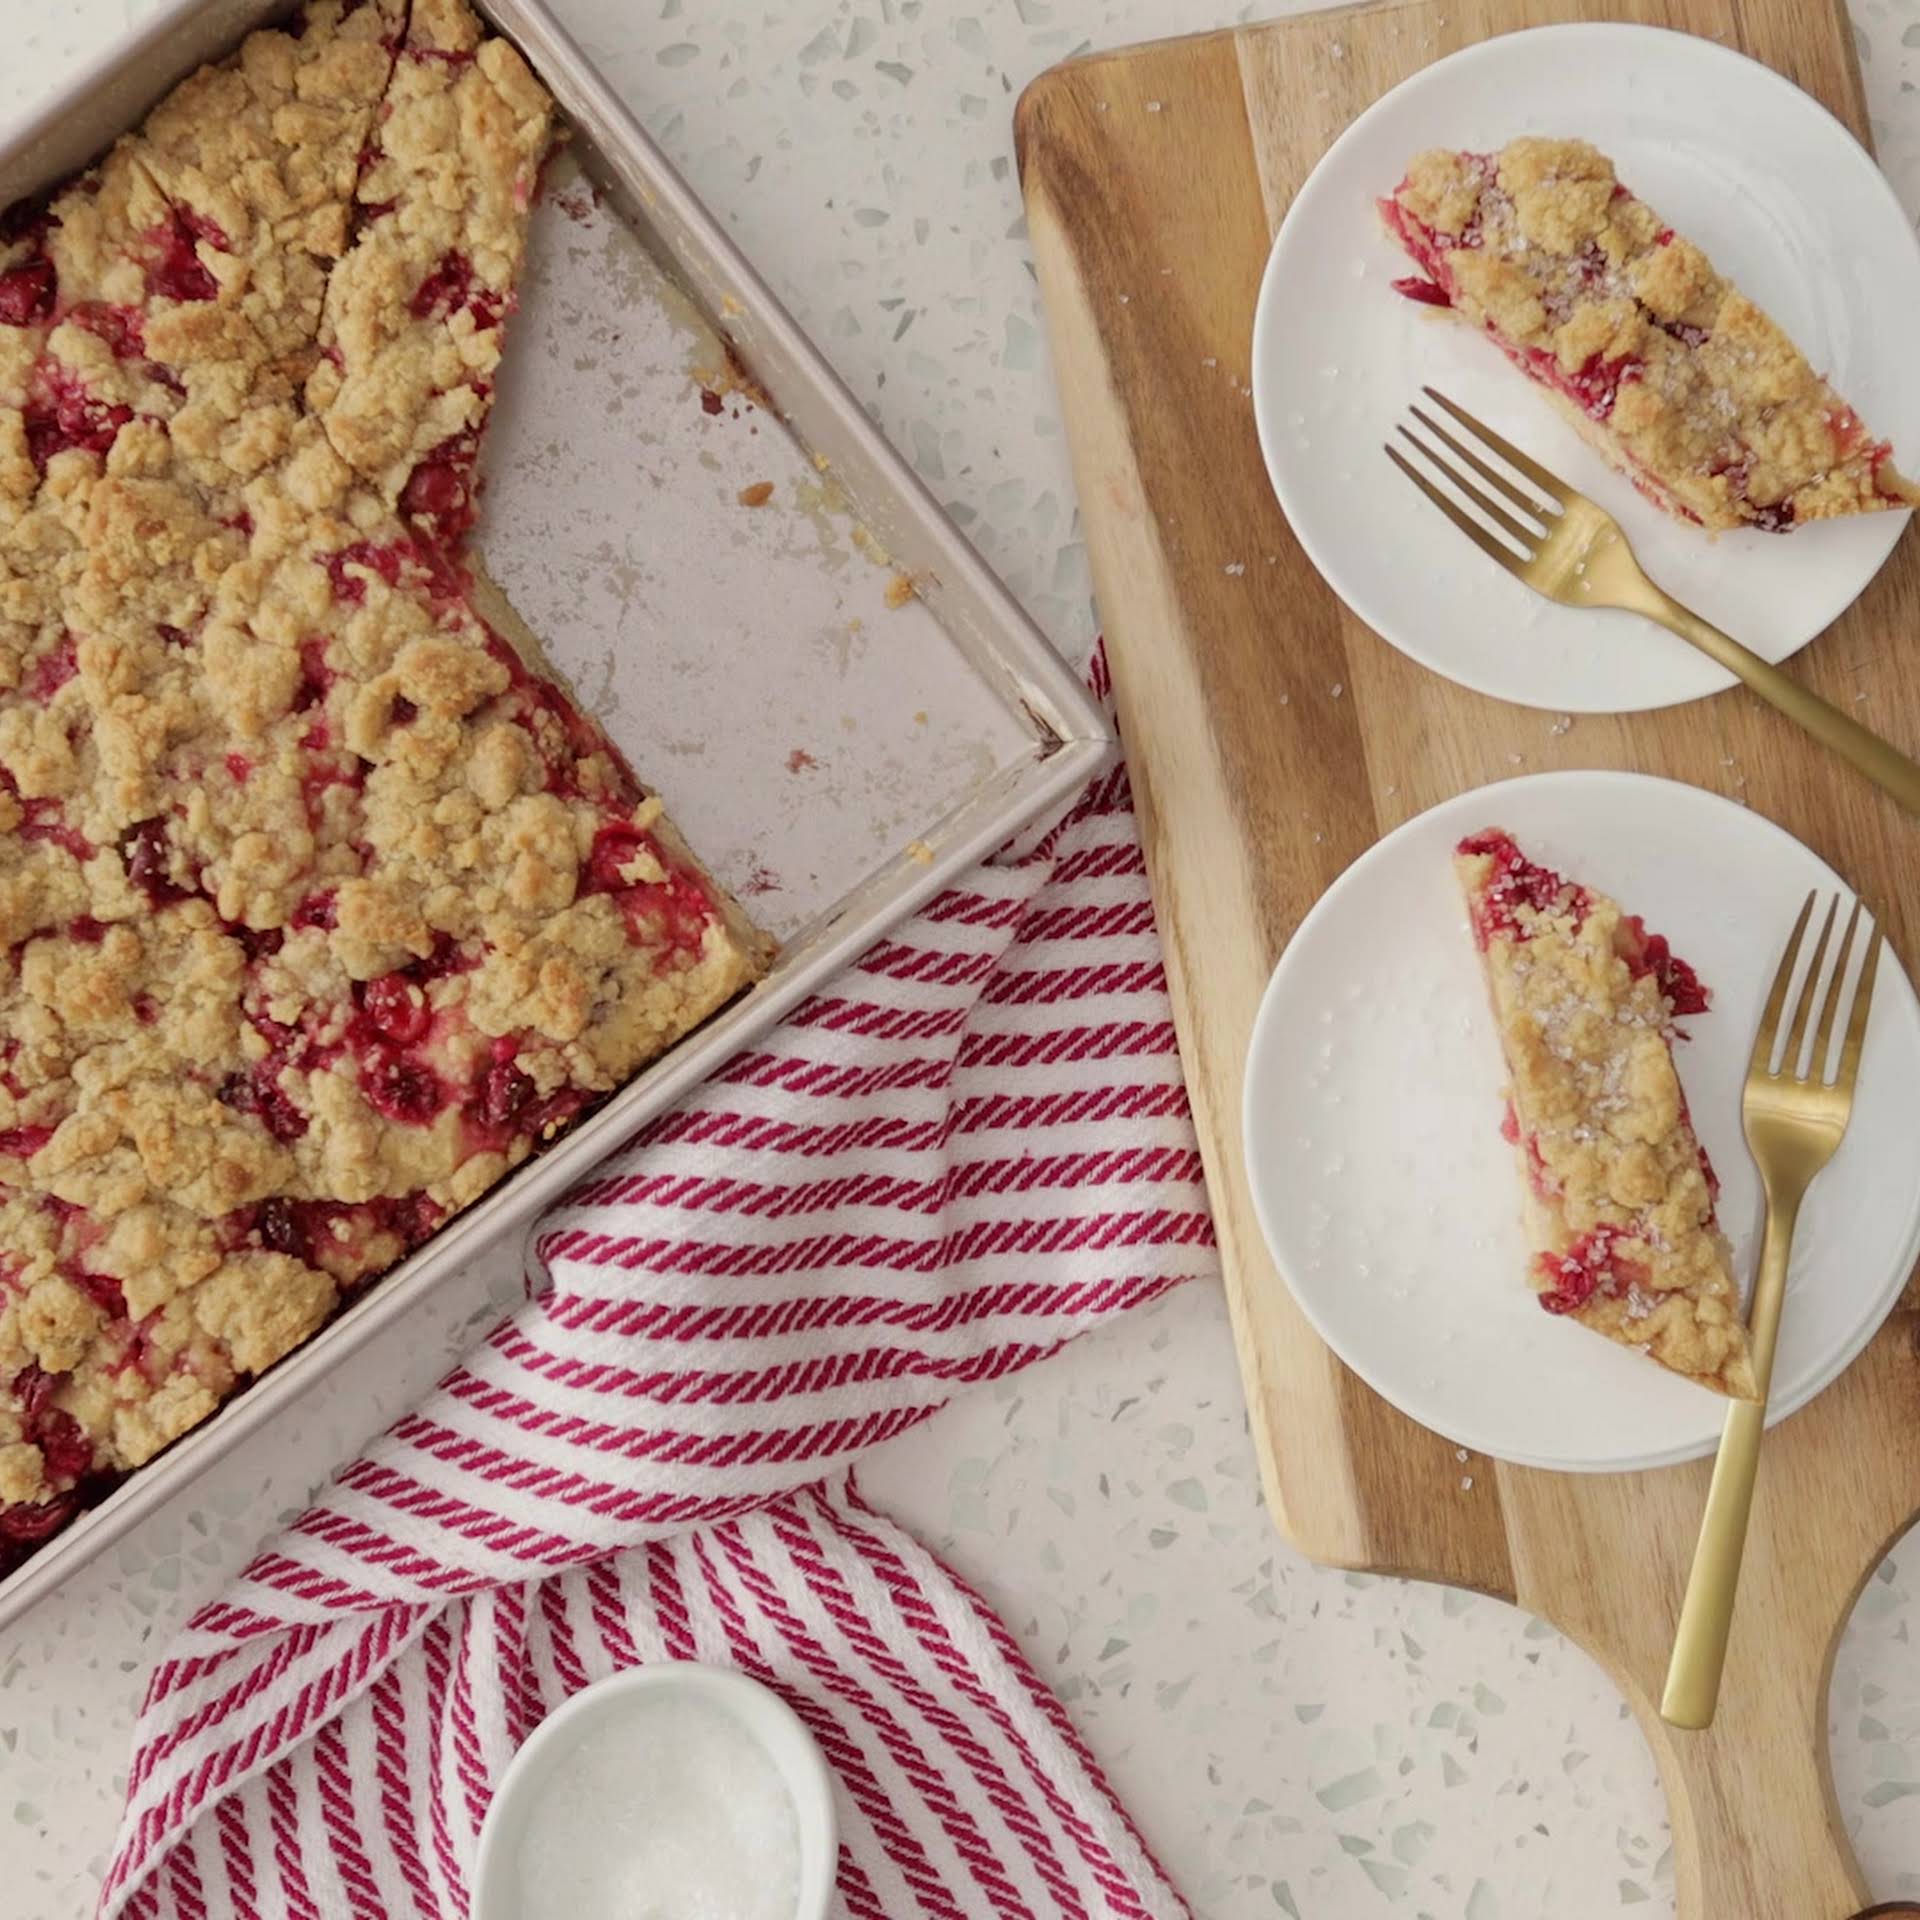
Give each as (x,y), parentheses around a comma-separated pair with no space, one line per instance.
(438,496)
(61,414)
(1673,374)
(27,292)
(1617,1192)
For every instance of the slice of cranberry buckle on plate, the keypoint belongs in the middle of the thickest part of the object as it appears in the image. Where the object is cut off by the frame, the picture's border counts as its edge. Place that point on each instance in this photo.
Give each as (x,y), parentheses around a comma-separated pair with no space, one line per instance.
(1686,386)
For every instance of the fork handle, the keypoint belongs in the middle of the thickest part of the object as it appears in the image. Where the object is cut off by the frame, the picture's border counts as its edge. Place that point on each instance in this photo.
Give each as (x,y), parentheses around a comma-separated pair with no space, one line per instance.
(1706,1614)
(1884,764)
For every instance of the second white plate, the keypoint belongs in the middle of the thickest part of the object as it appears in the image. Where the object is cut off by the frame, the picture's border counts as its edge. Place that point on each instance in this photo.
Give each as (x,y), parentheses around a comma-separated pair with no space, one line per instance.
(1387,1195)
(1781,196)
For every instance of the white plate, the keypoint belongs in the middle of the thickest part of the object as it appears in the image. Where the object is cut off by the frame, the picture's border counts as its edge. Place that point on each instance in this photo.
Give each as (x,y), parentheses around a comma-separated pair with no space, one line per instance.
(1773,187)
(1387,1195)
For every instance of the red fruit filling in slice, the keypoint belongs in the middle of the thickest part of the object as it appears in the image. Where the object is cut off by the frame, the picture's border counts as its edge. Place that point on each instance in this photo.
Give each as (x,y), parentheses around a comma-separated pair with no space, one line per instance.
(440,491)
(503,1095)
(121,327)
(672,914)
(1648,952)
(566,740)
(44,821)
(1593,1264)
(67,1460)
(315,675)
(1592,386)
(394,1009)
(451,287)
(174,267)
(62,415)
(418,564)
(147,852)
(101,1288)
(62,1440)
(348,586)
(26,1525)
(337,1236)
(51,671)
(258,1092)
(317,910)
(1517,882)
(1540,1176)
(27,293)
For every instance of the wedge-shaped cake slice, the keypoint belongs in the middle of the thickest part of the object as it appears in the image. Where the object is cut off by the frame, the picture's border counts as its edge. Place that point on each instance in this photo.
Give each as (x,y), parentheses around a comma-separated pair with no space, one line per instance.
(416,311)
(1619,1194)
(1672,373)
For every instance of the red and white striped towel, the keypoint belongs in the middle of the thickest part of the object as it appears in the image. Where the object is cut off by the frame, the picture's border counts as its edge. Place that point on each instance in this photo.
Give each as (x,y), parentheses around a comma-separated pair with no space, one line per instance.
(973,1146)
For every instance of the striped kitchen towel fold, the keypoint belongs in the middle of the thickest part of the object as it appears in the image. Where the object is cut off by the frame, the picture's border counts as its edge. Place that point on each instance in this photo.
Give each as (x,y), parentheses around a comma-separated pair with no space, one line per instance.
(974,1145)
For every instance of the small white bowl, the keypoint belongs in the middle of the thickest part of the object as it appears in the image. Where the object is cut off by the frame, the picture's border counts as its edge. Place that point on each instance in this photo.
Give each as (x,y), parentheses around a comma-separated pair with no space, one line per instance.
(761,1713)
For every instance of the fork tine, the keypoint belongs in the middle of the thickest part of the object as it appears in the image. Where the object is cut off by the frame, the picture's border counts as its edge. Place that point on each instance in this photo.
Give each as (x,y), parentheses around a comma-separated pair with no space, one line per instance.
(1524,501)
(1809,993)
(1762,1061)
(1823,1033)
(1481,538)
(1857,1020)
(1528,537)
(1518,461)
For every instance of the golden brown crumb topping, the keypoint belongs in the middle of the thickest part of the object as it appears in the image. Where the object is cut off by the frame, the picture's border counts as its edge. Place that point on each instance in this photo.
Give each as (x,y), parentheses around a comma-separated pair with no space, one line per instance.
(1688,387)
(320,908)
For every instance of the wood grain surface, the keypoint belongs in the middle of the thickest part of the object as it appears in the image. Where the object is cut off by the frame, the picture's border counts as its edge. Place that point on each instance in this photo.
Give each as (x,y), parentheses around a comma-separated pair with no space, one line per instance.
(1154,180)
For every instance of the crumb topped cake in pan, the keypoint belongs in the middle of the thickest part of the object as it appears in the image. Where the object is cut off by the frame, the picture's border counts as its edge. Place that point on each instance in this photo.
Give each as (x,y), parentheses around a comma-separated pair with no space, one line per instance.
(323,905)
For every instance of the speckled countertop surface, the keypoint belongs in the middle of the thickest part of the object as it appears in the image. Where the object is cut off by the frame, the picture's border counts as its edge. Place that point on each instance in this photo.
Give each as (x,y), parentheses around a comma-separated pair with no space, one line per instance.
(1294,1741)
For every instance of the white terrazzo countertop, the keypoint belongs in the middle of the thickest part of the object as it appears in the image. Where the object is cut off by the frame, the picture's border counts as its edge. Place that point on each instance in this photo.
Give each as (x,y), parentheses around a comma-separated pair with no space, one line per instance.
(1294,1741)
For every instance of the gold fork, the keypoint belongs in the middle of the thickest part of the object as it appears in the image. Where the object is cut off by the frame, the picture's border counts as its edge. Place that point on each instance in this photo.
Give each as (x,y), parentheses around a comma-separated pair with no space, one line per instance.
(1794,1118)
(1574,552)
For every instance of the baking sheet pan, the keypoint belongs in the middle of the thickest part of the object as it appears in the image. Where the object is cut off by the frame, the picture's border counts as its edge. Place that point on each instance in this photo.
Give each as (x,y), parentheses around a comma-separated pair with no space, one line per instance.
(840,704)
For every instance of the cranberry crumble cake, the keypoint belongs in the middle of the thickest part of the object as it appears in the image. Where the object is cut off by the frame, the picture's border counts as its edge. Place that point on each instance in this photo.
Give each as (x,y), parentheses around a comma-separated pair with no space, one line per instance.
(1619,1193)
(1678,379)
(322,906)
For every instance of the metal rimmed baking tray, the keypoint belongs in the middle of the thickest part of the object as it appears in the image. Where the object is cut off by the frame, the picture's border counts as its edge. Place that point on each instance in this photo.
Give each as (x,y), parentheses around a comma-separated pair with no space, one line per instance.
(840,703)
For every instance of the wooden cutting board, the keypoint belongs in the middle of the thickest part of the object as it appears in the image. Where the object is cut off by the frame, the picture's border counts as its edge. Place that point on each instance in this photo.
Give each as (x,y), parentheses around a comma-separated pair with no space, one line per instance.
(1154,180)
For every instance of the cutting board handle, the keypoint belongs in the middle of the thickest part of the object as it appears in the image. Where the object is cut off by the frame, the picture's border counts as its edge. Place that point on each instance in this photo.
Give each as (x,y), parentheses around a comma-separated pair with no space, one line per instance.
(1756,1827)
